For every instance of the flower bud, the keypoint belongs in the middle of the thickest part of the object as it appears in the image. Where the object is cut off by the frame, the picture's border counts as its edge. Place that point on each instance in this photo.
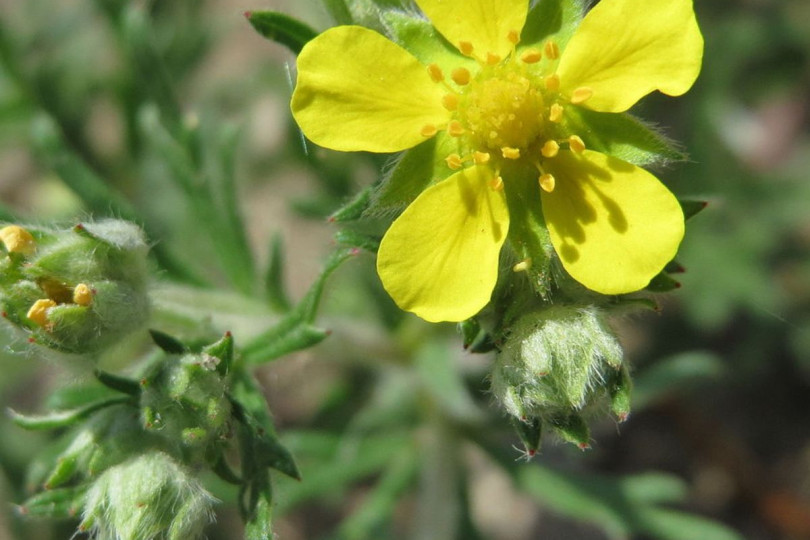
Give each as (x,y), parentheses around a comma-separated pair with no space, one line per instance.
(148,496)
(76,290)
(556,362)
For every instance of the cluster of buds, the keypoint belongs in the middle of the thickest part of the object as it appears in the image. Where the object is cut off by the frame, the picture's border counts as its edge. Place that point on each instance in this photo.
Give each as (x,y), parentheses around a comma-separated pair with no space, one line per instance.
(77,290)
(557,364)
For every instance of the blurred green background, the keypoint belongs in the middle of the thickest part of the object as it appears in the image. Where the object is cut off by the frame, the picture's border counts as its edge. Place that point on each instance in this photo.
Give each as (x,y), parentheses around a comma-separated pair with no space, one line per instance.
(104,103)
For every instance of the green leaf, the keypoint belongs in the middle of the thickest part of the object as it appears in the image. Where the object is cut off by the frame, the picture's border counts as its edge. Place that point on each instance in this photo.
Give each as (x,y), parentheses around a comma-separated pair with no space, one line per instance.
(63,503)
(274,276)
(622,136)
(555,20)
(169,344)
(222,349)
(260,524)
(281,28)
(119,384)
(62,418)
(358,240)
(442,379)
(675,373)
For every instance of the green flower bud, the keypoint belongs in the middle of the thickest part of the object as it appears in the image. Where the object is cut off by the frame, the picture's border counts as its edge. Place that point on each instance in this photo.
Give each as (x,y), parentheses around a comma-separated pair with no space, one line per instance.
(76,290)
(556,362)
(185,400)
(148,496)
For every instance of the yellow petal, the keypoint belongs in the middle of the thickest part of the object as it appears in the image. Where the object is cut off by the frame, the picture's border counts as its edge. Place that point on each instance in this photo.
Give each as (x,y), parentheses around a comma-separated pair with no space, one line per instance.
(625,49)
(439,259)
(483,23)
(614,225)
(356,90)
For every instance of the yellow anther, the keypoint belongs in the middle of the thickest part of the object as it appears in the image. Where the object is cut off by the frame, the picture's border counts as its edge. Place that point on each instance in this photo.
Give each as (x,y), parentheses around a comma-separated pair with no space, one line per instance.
(17,240)
(552,82)
(513,36)
(82,295)
(552,50)
(496,183)
(39,311)
(455,129)
(479,158)
(510,153)
(555,113)
(428,130)
(465,47)
(581,95)
(450,102)
(454,161)
(550,149)
(493,59)
(576,144)
(460,76)
(547,182)
(435,72)
(522,266)
(532,56)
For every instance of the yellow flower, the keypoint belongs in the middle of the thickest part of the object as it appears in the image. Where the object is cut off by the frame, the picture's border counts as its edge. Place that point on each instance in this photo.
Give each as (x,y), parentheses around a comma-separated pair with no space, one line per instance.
(503,107)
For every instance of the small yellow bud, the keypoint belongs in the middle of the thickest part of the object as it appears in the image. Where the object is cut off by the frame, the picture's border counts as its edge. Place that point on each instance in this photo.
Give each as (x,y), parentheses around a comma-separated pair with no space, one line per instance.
(17,240)
(82,295)
(38,312)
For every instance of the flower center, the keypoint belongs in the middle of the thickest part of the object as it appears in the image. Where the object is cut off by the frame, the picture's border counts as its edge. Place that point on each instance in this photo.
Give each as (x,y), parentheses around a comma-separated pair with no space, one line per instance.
(502,108)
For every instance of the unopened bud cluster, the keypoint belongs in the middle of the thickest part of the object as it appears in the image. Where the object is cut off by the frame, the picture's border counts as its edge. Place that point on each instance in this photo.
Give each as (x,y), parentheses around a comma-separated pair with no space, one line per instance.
(555,365)
(77,290)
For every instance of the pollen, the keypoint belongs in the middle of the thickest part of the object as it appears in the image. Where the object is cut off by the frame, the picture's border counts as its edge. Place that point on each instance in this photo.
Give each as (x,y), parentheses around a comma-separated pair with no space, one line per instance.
(555,113)
(428,130)
(581,95)
(552,50)
(550,149)
(576,144)
(479,158)
(522,266)
(454,161)
(465,47)
(510,153)
(460,76)
(455,129)
(450,102)
(547,182)
(17,240)
(82,295)
(435,73)
(39,311)
(532,56)
(552,82)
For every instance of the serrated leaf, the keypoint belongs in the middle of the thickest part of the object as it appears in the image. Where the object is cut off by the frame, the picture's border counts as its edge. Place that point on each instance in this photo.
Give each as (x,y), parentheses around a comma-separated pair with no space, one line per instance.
(281,28)
(169,344)
(622,136)
(61,418)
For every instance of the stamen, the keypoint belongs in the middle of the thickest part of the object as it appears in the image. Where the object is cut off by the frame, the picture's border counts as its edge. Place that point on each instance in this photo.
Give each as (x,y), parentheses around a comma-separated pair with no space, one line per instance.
(532,56)
(493,59)
(428,130)
(555,113)
(552,50)
(581,95)
(39,311)
(496,183)
(435,73)
(522,266)
(82,295)
(465,47)
(552,82)
(513,36)
(576,144)
(479,158)
(460,76)
(550,149)
(450,102)
(455,129)
(510,153)
(17,240)
(547,182)
(454,161)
